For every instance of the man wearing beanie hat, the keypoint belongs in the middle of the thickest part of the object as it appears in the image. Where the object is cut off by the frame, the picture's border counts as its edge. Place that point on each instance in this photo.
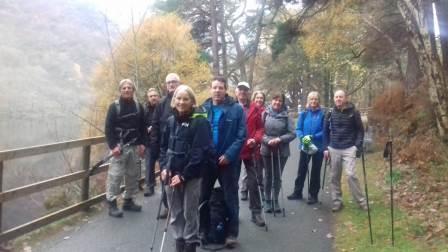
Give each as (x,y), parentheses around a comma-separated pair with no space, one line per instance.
(159,120)
(125,135)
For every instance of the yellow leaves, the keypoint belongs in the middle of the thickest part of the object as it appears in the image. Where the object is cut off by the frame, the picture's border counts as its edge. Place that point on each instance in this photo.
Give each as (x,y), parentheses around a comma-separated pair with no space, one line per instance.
(332,32)
(162,44)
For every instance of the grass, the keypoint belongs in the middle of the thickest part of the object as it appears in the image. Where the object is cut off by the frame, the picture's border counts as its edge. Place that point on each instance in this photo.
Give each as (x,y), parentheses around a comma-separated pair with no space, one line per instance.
(352,230)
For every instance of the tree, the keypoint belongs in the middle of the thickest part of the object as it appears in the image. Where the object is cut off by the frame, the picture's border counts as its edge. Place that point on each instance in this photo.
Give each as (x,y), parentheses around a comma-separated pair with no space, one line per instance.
(159,52)
(418,16)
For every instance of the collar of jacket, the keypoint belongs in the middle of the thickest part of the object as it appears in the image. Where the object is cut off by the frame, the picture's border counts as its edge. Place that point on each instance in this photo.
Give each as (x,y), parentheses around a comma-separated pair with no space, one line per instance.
(228,101)
(313,111)
(348,106)
(281,113)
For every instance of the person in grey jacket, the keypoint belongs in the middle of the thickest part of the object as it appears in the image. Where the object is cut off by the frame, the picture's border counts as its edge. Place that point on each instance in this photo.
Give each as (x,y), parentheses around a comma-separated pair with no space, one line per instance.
(278,133)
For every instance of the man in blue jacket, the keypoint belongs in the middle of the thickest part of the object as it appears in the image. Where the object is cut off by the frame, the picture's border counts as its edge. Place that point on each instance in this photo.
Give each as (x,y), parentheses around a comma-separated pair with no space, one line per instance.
(228,124)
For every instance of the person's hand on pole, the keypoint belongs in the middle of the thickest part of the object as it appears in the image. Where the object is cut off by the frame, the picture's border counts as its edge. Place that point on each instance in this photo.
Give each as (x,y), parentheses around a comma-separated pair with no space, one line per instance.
(223,161)
(327,155)
(273,143)
(176,180)
(251,143)
(116,151)
(163,175)
(141,150)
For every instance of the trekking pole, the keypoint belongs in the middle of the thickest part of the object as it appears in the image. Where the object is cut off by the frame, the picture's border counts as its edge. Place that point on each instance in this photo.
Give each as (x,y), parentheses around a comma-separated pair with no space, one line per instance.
(323,179)
(157,219)
(167,218)
(325,171)
(108,157)
(367,196)
(280,179)
(259,185)
(272,182)
(388,154)
(308,172)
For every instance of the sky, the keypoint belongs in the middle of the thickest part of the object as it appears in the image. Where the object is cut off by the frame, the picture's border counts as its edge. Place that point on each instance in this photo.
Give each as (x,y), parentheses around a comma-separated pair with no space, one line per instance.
(119,11)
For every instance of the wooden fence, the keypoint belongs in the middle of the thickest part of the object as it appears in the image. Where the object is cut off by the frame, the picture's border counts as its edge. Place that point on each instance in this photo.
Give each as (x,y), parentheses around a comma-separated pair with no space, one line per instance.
(85,200)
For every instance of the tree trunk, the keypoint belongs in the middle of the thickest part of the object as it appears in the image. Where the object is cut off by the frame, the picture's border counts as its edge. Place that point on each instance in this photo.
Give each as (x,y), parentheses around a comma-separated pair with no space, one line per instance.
(327,91)
(413,73)
(417,23)
(442,16)
(256,42)
(214,32)
(222,33)
(134,36)
(240,57)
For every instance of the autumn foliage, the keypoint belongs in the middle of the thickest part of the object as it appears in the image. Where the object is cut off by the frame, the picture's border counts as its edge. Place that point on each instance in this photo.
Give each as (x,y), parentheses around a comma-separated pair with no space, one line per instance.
(147,53)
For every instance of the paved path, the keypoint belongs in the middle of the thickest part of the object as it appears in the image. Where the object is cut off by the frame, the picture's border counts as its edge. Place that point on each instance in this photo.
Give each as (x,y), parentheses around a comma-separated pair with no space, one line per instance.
(304,229)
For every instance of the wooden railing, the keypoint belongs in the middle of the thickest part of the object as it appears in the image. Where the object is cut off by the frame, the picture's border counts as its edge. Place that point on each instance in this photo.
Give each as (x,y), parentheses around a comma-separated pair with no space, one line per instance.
(86,200)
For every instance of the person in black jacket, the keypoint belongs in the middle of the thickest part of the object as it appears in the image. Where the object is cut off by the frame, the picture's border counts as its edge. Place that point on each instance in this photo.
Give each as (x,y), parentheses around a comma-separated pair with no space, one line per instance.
(183,157)
(159,120)
(343,139)
(150,160)
(125,135)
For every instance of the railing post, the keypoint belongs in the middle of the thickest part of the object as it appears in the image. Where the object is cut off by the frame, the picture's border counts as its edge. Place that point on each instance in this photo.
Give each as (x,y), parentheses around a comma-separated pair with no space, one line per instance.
(86,167)
(1,190)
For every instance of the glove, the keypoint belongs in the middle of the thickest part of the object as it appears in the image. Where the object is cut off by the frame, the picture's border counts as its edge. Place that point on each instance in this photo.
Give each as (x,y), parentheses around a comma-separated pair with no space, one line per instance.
(306,140)
(358,152)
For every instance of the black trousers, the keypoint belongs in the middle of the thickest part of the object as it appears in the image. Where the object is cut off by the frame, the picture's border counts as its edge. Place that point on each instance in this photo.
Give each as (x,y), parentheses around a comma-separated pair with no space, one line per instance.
(305,159)
(228,179)
(254,176)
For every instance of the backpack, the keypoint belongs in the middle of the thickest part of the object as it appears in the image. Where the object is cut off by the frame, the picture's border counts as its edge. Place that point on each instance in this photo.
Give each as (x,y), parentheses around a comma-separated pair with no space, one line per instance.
(219,217)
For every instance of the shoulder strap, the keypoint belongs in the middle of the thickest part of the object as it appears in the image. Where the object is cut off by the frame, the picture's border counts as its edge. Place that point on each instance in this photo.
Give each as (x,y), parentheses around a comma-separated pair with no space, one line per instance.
(117,107)
(263,116)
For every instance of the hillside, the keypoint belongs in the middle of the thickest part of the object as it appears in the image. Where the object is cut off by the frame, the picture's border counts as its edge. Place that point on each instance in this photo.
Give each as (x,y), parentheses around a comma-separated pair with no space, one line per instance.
(48,50)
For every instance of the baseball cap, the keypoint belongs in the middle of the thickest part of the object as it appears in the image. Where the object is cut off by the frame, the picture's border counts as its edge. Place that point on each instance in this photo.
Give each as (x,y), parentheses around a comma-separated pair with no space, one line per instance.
(243,84)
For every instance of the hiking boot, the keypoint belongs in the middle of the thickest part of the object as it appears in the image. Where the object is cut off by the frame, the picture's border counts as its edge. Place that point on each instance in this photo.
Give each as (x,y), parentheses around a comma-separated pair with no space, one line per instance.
(190,247)
(363,206)
(129,205)
(277,208)
(231,242)
(257,219)
(295,196)
(337,207)
(180,245)
(113,209)
(149,191)
(244,195)
(312,200)
(268,206)
(163,213)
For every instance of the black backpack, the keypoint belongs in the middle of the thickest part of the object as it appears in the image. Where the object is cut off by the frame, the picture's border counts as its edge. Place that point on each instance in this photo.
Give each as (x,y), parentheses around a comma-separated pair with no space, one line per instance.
(219,217)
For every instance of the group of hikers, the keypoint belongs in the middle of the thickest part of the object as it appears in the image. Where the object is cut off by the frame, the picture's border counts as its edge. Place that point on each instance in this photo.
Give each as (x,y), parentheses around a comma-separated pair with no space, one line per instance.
(198,145)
